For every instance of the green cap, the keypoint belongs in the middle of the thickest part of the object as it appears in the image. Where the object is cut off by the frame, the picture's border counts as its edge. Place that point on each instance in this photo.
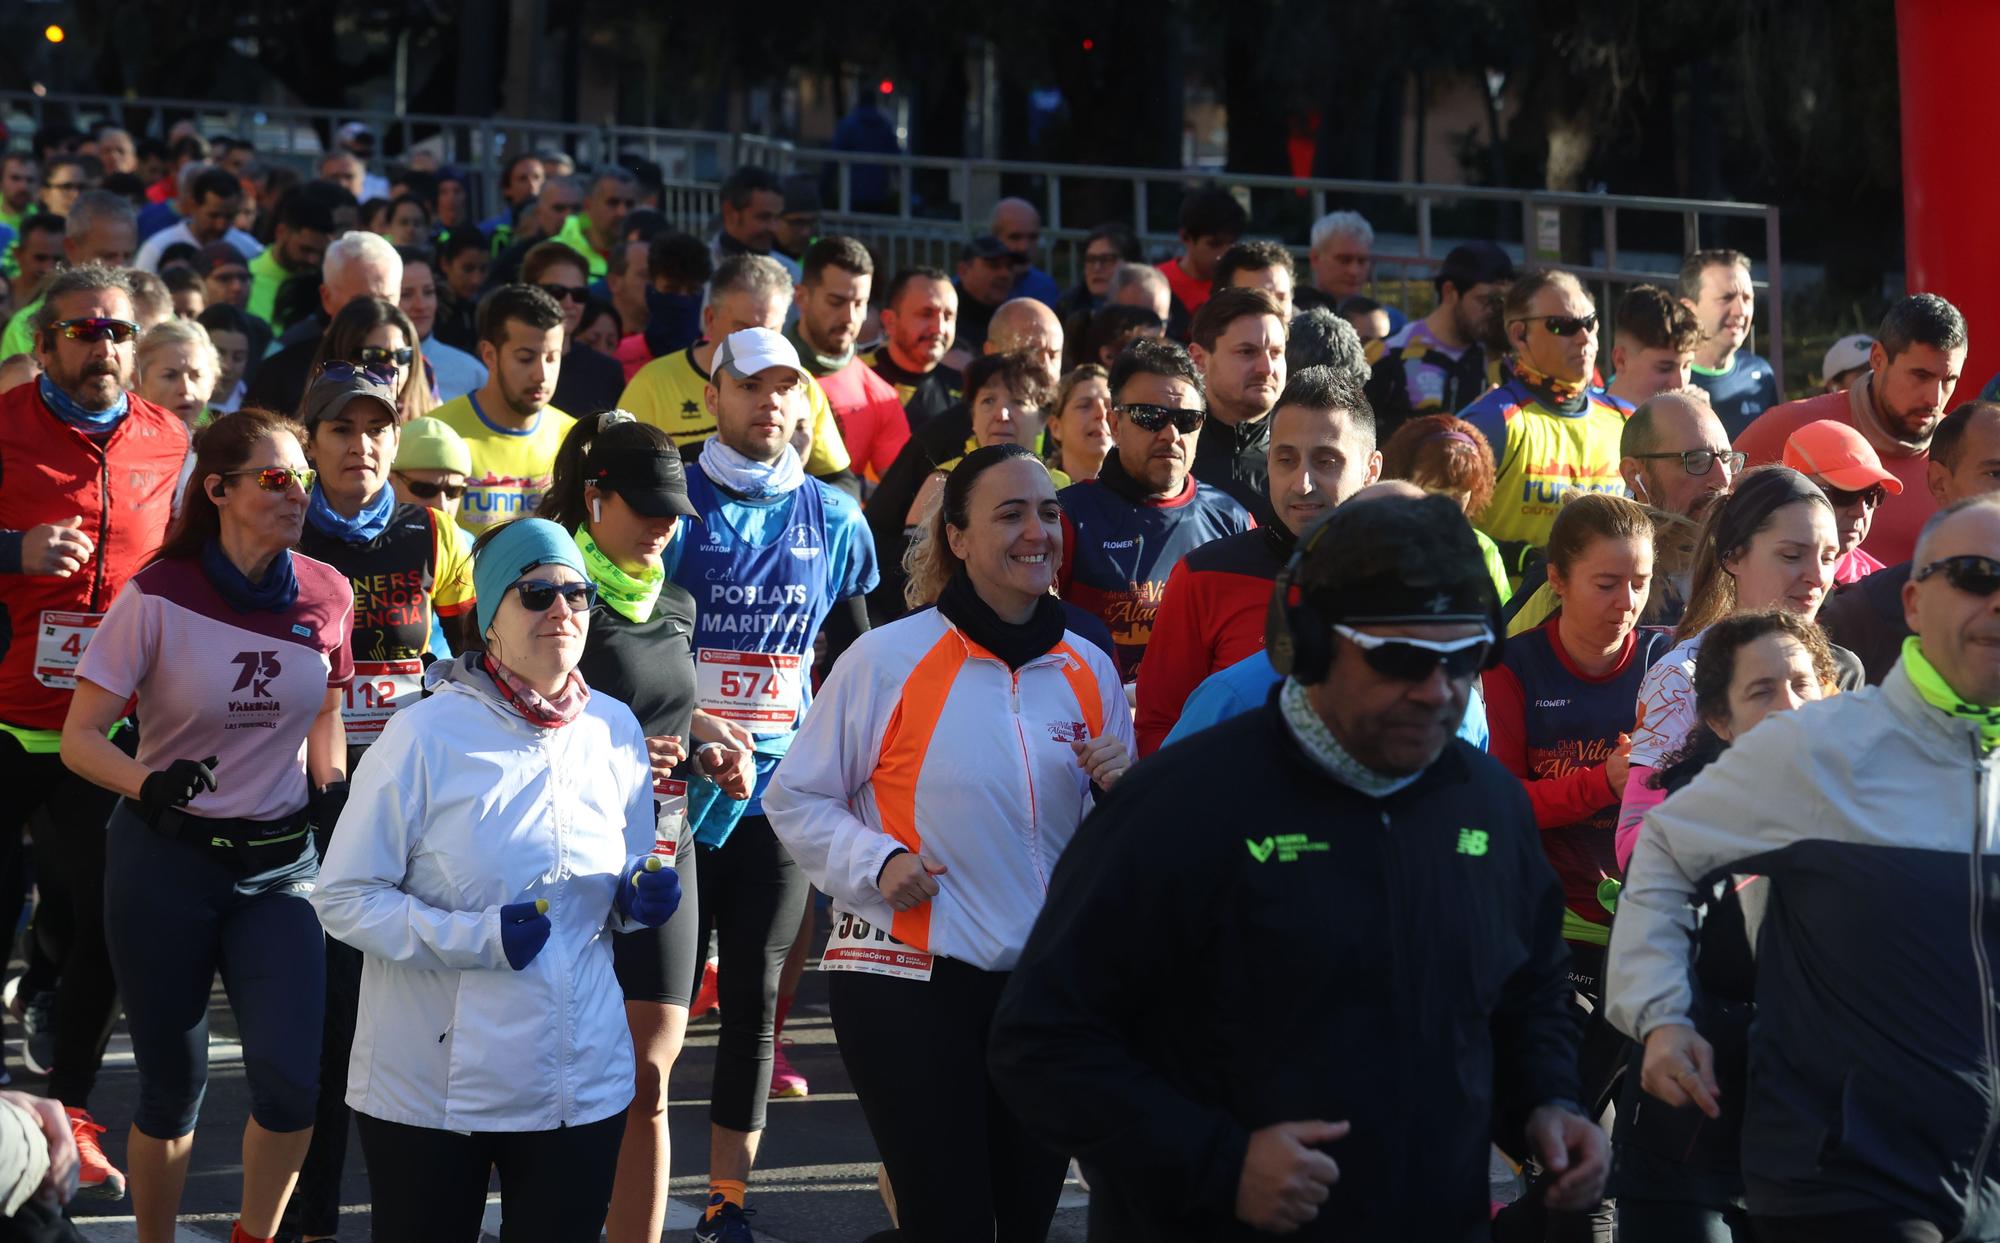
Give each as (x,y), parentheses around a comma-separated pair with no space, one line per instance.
(431,444)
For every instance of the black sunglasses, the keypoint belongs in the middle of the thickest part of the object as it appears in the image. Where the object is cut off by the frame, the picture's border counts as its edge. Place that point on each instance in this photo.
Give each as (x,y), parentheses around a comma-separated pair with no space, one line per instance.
(429,491)
(1153,418)
(94,329)
(1973,575)
(575,293)
(340,371)
(1562,325)
(382,356)
(1413,660)
(1701,461)
(539,596)
(1872,496)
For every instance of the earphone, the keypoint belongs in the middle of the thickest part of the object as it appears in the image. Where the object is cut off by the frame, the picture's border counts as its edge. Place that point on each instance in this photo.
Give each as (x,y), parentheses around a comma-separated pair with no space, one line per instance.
(597,511)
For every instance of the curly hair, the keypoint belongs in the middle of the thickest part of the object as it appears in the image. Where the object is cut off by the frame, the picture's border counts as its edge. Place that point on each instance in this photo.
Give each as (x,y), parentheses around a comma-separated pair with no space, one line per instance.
(1441,453)
(1715,669)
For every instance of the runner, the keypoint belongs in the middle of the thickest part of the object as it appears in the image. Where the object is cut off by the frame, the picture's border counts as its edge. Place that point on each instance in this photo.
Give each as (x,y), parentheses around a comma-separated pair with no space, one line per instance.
(1238,341)
(509,426)
(236,650)
(937,872)
(374,332)
(1441,364)
(89,471)
(620,490)
(1652,346)
(1079,430)
(1447,455)
(1189,1123)
(777,556)
(1211,615)
(832,300)
(1716,286)
(481,890)
(1674,1176)
(590,380)
(1842,464)
(1009,406)
(409,575)
(176,367)
(919,326)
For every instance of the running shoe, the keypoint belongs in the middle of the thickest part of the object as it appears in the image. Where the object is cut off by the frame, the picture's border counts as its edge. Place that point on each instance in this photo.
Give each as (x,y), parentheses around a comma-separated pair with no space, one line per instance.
(97,1178)
(704,997)
(38,1033)
(785,1082)
(731,1225)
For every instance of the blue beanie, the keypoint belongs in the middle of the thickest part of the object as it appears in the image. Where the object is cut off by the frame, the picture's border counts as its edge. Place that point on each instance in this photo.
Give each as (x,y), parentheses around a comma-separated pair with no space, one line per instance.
(515,549)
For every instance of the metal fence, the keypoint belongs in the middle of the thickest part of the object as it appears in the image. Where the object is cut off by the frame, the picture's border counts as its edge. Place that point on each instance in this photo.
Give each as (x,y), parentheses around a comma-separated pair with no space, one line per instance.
(922,209)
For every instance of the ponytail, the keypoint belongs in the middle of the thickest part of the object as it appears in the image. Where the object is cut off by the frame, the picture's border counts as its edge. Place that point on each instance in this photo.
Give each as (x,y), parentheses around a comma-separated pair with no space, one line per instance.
(563,504)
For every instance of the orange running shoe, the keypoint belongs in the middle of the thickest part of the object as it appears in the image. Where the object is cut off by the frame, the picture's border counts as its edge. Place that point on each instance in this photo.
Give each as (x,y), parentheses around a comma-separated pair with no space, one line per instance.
(98,1178)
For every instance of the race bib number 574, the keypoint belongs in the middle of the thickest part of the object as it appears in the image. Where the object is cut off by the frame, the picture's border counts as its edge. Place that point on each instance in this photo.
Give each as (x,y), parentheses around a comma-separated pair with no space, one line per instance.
(760,689)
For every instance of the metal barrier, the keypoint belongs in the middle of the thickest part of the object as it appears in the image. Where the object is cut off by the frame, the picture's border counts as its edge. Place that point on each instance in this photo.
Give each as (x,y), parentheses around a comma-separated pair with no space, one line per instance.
(909,228)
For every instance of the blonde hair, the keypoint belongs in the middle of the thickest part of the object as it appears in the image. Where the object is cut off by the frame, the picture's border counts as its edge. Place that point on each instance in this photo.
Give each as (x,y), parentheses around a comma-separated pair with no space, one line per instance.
(170,333)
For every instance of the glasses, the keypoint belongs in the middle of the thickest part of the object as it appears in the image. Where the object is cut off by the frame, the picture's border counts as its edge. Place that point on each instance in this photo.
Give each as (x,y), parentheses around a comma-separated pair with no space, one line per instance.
(1975,576)
(1701,461)
(539,596)
(381,356)
(1412,660)
(278,478)
(575,293)
(1562,325)
(1872,496)
(1153,418)
(429,491)
(340,371)
(1101,260)
(116,331)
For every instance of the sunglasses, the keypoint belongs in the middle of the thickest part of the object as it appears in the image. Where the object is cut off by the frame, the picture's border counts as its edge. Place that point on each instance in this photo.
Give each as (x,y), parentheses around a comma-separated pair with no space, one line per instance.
(1562,325)
(382,356)
(116,331)
(575,293)
(1413,660)
(278,478)
(1975,576)
(1153,418)
(539,596)
(1872,496)
(1701,461)
(339,371)
(429,491)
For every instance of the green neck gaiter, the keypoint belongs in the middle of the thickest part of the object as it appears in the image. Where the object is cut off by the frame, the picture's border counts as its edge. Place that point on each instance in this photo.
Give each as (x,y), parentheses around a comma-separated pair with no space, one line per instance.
(1938,694)
(633,598)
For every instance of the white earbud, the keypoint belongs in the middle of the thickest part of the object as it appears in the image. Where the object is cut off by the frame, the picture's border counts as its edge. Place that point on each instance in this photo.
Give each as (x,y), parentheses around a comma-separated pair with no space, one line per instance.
(597,511)
(1640,485)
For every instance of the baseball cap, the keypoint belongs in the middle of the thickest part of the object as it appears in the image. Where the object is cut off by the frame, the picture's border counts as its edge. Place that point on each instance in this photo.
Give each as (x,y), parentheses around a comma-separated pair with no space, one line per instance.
(354,131)
(1474,263)
(744,354)
(432,444)
(653,484)
(218,255)
(987,246)
(1396,560)
(1842,456)
(339,383)
(1845,355)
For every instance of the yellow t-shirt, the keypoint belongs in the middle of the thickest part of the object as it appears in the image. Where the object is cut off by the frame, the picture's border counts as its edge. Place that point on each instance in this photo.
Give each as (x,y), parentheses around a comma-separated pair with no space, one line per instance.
(1541,454)
(667,393)
(510,469)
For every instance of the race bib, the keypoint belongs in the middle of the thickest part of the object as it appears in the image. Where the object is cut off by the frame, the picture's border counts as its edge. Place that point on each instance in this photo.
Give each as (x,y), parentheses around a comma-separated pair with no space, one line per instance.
(672,814)
(857,945)
(60,644)
(379,688)
(759,689)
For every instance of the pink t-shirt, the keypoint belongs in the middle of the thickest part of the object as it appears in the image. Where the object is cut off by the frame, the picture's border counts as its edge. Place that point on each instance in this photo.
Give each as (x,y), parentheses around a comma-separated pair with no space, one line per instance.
(243,687)
(632,354)
(870,416)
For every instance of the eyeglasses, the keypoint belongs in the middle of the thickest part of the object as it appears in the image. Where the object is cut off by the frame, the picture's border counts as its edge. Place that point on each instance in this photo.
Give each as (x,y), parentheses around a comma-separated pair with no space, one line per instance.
(539,596)
(339,371)
(278,478)
(1153,418)
(429,491)
(1413,660)
(116,331)
(1872,496)
(1105,260)
(382,356)
(1701,461)
(575,293)
(1562,325)
(1975,576)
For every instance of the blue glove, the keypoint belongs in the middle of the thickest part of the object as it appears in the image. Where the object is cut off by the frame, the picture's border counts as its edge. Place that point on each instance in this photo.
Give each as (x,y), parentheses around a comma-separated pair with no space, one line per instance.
(649,891)
(524,929)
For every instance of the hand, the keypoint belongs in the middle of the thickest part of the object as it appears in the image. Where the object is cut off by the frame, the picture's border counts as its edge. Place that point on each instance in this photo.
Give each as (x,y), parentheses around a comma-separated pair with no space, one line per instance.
(711,728)
(177,785)
(1618,766)
(1574,1148)
(649,891)
(1285,1176)
(524,930)
(665,754)
(906,880)
(735,772)
(59,1185)
(1680,1068)
(1104,758)
(57,548)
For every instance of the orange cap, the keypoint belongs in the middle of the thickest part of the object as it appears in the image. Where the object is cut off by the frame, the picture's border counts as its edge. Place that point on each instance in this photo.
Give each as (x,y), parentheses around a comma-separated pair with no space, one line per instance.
(1835,452)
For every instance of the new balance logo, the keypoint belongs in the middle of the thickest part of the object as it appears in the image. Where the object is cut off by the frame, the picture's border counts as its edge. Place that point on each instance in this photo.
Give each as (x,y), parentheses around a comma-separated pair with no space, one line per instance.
(1471,842)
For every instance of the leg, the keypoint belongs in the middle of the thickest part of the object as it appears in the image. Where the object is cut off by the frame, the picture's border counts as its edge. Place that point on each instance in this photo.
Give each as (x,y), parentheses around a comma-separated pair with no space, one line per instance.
(314,1210)
(1661,1221)
(424,1186)
(274,966)
(554,1185)
(87,992)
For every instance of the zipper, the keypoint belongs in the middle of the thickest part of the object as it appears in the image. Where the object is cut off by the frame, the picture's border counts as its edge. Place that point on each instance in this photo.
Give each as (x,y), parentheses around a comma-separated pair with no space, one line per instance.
(1028,769)
(1984,969)
(103,531)
(1398,970)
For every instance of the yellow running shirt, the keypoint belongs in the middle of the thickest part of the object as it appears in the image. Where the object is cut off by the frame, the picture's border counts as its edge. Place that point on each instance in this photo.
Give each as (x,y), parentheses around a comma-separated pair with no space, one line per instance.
(510,469)
(1542,453)
(667,393)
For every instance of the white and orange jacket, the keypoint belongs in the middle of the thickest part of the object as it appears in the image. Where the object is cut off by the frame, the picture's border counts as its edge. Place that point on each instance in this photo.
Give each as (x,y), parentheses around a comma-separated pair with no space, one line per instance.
(922,740)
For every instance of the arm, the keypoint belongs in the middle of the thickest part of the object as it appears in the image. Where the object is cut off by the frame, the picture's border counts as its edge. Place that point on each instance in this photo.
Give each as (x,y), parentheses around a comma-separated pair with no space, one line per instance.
(1640,797)
(1177,658)
(326,743)
(88,753)
(1534,1033)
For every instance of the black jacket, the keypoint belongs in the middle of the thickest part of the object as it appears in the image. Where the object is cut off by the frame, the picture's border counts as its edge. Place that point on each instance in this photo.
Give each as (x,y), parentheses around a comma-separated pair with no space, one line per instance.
(1395,963)
(1234,459)
(1867,619)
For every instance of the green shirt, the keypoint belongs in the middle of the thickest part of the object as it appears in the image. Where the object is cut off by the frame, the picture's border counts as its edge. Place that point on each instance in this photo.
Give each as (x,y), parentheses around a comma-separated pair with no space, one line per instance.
(20,335)
(572,236)
(266,275)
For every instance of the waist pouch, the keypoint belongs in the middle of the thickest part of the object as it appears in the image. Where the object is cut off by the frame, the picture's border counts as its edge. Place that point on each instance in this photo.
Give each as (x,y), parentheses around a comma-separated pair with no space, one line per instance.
(245,847)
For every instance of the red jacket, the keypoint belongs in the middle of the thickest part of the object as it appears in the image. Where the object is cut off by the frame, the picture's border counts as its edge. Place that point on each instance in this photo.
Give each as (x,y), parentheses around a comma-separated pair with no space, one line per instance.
(1211,616)
(124,491)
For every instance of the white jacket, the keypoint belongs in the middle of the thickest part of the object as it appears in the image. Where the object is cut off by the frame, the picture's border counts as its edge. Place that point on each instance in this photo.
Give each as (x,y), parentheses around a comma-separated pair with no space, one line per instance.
(922,740)
(462,807)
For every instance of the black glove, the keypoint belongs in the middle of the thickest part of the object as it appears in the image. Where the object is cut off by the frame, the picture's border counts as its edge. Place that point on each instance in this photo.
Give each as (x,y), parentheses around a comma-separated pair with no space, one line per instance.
(177,784)
(323,808)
